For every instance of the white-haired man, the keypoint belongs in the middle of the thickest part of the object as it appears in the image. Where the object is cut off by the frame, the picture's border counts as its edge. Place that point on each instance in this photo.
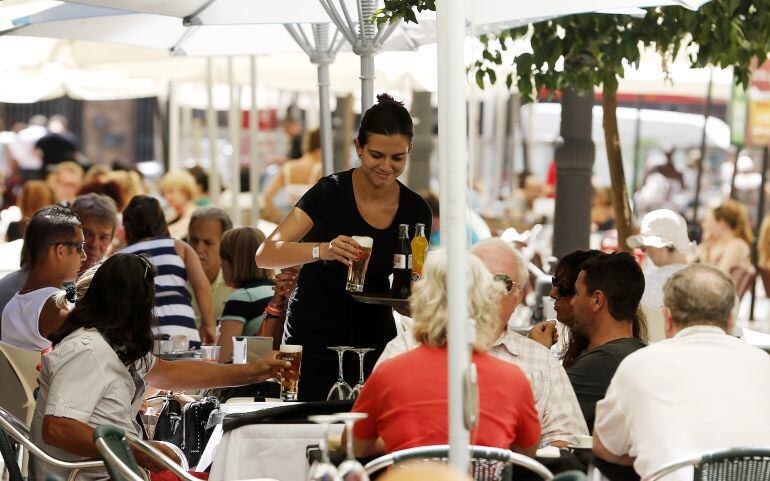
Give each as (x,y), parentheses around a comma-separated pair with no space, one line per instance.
(698,390)
(557,405)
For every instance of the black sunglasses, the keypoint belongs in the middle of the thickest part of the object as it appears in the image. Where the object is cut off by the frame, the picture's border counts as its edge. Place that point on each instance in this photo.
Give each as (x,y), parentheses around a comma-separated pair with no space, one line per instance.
(80,246)
(562,290)
(505,279)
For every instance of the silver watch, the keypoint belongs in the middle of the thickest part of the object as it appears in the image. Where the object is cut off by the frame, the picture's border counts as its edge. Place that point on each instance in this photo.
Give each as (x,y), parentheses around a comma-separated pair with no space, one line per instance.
(317,251)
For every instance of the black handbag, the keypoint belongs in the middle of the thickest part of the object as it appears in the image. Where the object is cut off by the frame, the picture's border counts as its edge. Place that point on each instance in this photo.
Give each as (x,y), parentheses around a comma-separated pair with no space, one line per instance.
(169,426)
(196,428)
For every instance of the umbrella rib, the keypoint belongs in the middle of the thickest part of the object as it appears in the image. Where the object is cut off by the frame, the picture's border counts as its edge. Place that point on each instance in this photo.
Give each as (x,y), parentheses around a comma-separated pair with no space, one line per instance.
(361,20)
(292,31)
(193,19)
(346,12)
(330,50)
(335,17)
(188,31)
(304,36)
(338,46)
(389,31)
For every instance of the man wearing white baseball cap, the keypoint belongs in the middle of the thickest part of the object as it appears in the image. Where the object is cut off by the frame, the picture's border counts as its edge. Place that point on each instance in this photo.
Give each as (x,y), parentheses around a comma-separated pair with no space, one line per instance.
(663,237)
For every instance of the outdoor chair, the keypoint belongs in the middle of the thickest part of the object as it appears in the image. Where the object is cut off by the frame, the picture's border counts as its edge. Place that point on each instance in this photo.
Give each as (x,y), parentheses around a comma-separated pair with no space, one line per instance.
(571,475)
(118,458)
(744,277)
(19,432)
(114,445)
(10,458)
(19,373)
(733,464)
(487,463)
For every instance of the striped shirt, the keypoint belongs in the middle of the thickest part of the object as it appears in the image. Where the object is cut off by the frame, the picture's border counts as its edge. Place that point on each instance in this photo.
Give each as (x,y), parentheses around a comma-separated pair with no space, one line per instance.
(247,305)
(173,306)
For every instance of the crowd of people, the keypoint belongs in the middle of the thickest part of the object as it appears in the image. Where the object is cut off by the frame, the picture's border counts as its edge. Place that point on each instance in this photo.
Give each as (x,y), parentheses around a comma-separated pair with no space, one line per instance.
(645,361)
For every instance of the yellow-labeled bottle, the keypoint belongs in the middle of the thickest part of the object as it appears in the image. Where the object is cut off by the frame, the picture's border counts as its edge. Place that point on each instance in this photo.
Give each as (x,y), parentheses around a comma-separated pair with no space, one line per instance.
(419,250)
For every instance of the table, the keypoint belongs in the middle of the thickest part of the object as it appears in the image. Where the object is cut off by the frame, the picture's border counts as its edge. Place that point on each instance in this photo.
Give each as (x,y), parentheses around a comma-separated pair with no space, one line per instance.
(261,450)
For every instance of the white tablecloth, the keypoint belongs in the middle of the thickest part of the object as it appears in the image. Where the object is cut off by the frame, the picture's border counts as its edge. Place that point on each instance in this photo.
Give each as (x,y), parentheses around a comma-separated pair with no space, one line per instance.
(261,450)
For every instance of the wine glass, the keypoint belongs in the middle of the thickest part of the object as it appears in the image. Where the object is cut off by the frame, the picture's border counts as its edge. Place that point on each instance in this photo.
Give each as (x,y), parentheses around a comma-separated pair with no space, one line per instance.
(323,470)
(341,390)
(351,469)
(361,351)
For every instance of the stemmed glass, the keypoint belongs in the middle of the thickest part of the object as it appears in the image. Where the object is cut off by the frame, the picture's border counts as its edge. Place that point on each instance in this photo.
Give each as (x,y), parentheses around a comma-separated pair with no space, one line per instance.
(361,351)
(341,390)
(351,469)
(323,470)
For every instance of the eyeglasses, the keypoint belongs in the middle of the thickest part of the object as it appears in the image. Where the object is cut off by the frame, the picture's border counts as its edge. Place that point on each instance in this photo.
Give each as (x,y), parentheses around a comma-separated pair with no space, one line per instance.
(562,290)
(507,281)
(80,246)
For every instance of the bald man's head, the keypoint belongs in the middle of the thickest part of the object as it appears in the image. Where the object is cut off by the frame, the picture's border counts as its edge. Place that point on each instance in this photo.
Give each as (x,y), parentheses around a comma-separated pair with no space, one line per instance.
(500,257)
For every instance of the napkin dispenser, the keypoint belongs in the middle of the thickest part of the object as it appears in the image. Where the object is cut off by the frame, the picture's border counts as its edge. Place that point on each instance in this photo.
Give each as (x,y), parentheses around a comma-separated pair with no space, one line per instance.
(250,348)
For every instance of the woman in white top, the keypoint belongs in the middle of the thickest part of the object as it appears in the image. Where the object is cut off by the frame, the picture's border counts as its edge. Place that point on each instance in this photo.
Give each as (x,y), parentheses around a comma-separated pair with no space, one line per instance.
(295,178)
(101,359)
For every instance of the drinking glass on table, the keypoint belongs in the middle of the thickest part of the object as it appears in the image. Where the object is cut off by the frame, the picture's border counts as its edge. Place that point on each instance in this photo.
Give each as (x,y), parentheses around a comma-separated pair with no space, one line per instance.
(357,268)
(341,390)
(210,353)
(361,351)
(351,469)
(290,375)
(323,470)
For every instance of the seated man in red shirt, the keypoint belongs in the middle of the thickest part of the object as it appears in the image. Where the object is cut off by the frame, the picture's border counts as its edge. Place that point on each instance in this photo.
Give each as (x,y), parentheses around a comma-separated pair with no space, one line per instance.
(406,396)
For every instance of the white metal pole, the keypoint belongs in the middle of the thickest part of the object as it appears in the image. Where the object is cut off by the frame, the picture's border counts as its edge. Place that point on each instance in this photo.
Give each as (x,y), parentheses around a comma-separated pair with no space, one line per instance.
(212,124)
(326,118)
(234,126)
(367,82)
(173,128)
(453,155)
(254,167)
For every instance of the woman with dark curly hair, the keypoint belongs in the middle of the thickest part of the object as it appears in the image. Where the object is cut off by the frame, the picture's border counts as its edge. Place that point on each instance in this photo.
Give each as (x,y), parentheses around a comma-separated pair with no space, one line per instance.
(101,359)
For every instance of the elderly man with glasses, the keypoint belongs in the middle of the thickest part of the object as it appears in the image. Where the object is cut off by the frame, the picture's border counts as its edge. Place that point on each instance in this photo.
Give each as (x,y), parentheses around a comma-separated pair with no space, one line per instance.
(557,405)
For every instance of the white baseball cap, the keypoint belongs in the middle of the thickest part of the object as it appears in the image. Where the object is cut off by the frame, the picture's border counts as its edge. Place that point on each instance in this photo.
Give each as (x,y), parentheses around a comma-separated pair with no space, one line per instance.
(662,228)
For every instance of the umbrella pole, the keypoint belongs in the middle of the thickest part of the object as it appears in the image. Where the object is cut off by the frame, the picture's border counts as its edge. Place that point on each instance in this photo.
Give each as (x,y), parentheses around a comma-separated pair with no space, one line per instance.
(367,82)
(453,155)
(212,126)
(757,231)
(706,113)
(173,128)
(326,118)
(235,141)
(254,167)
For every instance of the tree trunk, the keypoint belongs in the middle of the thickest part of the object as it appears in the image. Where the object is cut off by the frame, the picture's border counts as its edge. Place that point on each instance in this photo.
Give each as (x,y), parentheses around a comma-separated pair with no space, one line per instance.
(617,174)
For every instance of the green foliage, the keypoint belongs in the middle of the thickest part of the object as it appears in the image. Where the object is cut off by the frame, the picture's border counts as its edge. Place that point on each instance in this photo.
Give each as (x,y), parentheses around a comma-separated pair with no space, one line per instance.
(588,50)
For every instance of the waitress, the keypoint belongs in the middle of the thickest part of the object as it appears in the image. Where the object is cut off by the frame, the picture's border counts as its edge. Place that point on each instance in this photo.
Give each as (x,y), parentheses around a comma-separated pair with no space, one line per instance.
(365,201)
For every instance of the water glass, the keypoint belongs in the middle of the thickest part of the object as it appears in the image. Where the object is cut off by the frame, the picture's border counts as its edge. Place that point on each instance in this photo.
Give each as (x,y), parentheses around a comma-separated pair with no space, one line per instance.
(351,469)
(180,343)
(210,353)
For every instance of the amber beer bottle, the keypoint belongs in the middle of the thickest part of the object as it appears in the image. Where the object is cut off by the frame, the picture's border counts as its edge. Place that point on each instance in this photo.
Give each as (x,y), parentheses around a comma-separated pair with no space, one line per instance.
(419,249)
(402,265)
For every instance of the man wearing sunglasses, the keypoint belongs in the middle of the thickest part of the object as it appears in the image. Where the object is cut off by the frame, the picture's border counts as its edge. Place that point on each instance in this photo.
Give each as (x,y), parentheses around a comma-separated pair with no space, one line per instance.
(557,406)
(53,249)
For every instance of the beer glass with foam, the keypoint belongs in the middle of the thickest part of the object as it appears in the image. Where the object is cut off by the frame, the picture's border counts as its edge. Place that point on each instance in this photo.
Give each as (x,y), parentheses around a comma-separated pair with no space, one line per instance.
(290,375)
(357,268)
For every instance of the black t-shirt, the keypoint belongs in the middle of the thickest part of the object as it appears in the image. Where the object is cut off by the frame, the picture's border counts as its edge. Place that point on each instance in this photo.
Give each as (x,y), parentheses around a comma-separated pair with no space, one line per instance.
(592,371)
(56,149)
(321,312)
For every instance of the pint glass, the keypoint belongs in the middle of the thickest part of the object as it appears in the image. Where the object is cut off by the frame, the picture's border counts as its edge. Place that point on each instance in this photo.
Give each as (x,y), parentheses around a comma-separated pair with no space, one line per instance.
(290,375)
(357,268)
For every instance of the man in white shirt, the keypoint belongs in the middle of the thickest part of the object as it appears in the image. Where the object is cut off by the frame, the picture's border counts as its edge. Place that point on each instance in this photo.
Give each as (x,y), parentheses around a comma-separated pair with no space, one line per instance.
(557,405)
(54,249)
(663,237)
(699,390)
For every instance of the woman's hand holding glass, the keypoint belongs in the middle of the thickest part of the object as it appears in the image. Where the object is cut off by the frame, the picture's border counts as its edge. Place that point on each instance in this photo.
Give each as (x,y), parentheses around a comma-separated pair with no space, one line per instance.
(342,248)
(286,281)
